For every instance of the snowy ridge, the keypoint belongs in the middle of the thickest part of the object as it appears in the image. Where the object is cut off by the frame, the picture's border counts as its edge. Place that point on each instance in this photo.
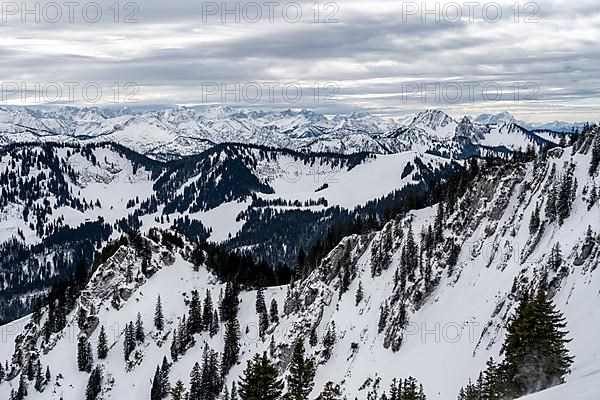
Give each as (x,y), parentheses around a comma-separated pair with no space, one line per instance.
(175,133)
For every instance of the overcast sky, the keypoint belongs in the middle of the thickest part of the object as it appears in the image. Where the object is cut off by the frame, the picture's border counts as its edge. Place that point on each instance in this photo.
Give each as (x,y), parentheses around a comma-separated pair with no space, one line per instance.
(390,58)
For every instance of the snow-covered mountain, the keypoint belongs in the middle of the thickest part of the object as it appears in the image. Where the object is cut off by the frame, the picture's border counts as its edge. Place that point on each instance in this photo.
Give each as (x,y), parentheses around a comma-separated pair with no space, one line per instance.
(174,133)
(63,202)
(438,285)
(505,117)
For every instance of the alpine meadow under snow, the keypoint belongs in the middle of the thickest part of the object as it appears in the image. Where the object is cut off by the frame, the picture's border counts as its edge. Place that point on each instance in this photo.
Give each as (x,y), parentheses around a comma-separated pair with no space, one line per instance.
(344,258)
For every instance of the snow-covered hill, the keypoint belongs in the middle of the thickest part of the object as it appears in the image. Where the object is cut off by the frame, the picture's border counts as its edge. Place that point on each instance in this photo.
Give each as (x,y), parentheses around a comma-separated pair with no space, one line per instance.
(438,284)
(175,133)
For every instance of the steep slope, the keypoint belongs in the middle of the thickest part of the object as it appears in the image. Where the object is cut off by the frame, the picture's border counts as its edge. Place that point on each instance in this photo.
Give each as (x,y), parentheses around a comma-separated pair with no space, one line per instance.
(455,315)
(434,305)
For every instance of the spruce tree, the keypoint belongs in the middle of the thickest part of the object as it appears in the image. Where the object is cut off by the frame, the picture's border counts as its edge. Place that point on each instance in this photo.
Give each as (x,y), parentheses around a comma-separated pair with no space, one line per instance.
(274,312)
(195,313)
(84,355)
(329,341)
(231,348)
(81,318)
(178,391)
(165,385)
(331,391)
(229,305)
(140,336)
(595,162)
(313,339)
(359,294)
(260,381)
(129,340)
(551,202)
(22,390)
(159,320)
(565,197)
(536,356)
(196,383)
(94,386)
(261,311)
(156,390)
(207,312)
(234,392)
(175,346)
(102,348)
(534,221)
(214,327)
(300,380)
(39,378)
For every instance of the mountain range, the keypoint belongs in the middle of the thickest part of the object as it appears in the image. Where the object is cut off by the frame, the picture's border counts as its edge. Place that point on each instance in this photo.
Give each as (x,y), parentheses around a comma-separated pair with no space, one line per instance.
(174,133)
(391,250)
(427,292)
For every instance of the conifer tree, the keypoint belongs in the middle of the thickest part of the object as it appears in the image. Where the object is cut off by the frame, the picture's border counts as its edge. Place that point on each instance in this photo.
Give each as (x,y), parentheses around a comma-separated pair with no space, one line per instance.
(140,336)
(535,350)
(102,348)
(331,391)
(84,355)
(207,314)
(39,378)
(156,390)
(534,221)
(231,348)
(551,203)
(383,316)
(595,162)
(329,341)
(175,346)
(214,327)
(261,306)
(165,385)
(81,318)
(260,380)
(359,294)
(313,339)
(22,390)
(234,392)
(195,313)
(565,197)
(159,320)
(196,383)
(261,311)
(300,380)
(178,391)
(229,305)
(274,312)
(439,224)
(94,385)
(129,340)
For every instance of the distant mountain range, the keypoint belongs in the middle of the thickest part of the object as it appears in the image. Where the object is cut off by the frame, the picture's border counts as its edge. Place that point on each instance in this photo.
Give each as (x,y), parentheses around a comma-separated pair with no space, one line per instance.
(175,133)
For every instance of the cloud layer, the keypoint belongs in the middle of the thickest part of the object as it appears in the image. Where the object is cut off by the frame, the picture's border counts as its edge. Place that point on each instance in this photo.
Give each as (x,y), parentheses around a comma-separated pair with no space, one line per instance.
(540,60)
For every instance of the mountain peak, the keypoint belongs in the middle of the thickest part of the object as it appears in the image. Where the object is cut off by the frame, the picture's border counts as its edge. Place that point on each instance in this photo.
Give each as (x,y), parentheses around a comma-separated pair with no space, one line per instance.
(495,119)
(434,119)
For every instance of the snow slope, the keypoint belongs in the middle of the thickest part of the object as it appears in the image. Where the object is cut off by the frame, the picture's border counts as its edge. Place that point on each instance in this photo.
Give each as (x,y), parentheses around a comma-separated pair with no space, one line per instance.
(442,326)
